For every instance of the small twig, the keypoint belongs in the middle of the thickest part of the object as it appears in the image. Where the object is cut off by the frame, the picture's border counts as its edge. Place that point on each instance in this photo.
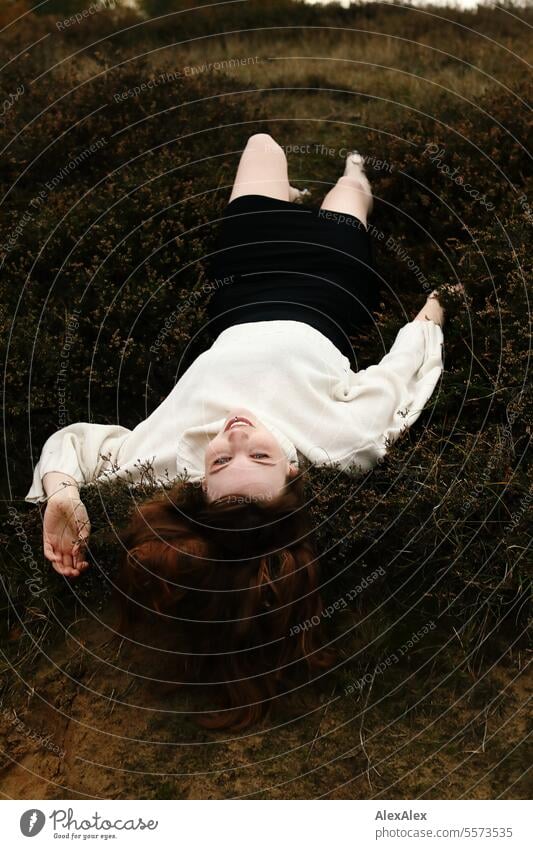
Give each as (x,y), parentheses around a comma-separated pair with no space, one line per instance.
(361,728)
(323,714)
(112,700)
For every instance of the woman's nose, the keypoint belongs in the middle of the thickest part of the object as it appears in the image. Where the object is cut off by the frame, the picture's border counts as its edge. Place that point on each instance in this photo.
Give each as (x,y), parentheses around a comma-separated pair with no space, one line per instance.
(238,433)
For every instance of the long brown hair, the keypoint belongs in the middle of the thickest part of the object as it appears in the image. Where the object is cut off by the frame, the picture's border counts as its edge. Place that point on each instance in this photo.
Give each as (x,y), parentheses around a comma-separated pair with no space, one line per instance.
(244,578)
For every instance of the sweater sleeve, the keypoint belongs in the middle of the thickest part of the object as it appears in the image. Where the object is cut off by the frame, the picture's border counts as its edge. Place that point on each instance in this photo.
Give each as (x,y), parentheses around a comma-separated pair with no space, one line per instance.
(388,397)
(82,450)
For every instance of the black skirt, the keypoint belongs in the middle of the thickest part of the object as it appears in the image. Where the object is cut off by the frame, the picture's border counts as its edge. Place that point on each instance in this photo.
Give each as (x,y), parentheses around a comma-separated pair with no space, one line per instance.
(275,259)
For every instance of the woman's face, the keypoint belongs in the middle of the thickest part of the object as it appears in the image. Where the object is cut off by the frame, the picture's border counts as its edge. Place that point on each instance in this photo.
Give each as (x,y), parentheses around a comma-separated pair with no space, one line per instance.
(245,460)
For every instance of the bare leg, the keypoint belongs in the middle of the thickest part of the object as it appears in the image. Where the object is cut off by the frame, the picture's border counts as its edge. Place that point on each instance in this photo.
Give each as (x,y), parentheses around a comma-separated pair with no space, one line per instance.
(351,194)
(262,169)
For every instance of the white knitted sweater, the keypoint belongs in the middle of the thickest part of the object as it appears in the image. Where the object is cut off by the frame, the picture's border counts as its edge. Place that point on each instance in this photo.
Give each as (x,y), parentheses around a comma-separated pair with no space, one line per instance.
(288,374)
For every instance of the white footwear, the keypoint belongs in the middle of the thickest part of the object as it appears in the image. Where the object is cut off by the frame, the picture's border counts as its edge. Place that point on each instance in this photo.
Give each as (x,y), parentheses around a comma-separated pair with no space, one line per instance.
(297,195)
(355,163)
(355,168)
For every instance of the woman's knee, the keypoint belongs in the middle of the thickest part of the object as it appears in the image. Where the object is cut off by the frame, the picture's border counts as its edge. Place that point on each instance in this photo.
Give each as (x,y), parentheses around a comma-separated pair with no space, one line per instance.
(265,143)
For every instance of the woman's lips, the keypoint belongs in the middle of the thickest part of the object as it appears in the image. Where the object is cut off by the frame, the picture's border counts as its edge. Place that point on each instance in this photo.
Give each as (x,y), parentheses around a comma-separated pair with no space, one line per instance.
(236,419)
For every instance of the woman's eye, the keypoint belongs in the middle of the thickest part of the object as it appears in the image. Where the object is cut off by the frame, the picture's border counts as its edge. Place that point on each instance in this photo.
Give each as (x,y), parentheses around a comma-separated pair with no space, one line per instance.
(219,460)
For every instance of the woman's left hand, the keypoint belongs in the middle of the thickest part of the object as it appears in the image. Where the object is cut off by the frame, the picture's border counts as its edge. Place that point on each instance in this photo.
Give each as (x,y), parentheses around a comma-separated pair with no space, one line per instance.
(431,311)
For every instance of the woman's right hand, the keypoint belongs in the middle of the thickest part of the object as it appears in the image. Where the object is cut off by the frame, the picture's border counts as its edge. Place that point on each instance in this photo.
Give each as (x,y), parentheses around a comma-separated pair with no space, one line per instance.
(66,530)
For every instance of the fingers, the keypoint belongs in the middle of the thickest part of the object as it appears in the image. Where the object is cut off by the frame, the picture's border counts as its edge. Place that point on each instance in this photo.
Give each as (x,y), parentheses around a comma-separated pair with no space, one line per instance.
(49,551)
(67,571)
(63,568)
(73,571)
(79,555)
(54,556)
(74,563)
(70,563)
(67,559)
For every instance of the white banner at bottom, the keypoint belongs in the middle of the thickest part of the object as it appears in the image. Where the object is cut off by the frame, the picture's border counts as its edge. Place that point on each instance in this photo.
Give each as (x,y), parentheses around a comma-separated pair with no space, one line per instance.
(242,824)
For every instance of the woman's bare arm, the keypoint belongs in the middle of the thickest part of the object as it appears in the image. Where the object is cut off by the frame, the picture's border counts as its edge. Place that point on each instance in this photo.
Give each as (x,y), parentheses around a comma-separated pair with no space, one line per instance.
(54,483)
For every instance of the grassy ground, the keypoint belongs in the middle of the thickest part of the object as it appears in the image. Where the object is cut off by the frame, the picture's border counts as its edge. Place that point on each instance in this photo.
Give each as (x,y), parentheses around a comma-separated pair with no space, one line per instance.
(93,266)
